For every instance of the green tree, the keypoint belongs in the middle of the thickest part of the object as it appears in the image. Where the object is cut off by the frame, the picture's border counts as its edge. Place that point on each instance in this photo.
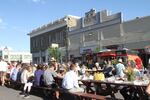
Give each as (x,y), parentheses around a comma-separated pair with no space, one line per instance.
(54,52)
(97,49)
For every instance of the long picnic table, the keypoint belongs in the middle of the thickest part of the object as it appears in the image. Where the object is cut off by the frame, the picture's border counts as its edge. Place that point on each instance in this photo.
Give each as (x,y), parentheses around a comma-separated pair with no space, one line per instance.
(82,96)
(111,87)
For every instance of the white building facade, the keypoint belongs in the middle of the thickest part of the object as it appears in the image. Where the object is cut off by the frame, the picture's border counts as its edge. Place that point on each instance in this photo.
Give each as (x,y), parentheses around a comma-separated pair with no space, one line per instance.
(9,55)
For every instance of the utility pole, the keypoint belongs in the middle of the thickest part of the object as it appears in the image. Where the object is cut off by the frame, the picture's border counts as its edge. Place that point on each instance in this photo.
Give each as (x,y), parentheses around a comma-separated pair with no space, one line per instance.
(66,43)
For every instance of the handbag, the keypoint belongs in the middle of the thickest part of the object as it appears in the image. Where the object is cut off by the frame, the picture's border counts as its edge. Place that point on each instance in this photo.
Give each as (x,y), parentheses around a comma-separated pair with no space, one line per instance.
(99,76)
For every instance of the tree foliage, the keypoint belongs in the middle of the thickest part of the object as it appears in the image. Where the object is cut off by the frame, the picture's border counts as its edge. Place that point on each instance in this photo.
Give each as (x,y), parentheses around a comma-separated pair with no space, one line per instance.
(54,52)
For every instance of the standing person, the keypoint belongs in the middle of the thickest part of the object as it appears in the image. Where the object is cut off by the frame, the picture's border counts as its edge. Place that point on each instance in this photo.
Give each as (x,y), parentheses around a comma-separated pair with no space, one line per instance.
(70,80)
(3,70)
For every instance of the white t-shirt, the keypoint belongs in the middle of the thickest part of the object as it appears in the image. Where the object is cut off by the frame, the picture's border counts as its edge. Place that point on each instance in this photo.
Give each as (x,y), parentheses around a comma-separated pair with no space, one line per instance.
(3,66)
(70,80)
(24,76)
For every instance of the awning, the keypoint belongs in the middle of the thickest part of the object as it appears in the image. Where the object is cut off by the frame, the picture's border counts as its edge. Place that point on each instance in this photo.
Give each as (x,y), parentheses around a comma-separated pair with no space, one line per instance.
(106,54)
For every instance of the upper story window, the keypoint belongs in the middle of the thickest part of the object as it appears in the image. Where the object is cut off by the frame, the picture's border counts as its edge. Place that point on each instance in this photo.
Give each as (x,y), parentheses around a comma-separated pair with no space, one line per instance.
(91,36)
(42,41)
(33,43)
(36,43)
(53,37)
(50,39)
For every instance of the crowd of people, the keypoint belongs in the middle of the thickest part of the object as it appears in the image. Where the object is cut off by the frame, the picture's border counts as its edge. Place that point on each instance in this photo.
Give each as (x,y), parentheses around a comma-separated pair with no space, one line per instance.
(71,72)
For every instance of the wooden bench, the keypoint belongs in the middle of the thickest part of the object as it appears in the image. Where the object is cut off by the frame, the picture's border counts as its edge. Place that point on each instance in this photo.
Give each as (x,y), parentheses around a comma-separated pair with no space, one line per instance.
(88,96)
(65,95)
(15,84)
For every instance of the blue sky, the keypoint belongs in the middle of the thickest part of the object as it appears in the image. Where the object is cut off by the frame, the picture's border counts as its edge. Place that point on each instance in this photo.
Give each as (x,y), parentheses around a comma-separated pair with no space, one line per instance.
(19,17)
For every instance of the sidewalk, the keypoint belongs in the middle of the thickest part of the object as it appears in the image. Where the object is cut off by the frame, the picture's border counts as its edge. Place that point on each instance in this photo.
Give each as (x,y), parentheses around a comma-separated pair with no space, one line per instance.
(12,94)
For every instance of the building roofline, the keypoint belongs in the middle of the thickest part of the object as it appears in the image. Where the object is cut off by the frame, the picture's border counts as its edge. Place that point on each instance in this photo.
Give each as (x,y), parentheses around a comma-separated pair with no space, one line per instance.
(136,18)
(53,23)
(77,17)
(46,26)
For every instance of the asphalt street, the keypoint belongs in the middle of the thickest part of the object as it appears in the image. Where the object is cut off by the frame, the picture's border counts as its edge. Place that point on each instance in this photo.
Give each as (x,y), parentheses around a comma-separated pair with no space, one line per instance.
(12,94)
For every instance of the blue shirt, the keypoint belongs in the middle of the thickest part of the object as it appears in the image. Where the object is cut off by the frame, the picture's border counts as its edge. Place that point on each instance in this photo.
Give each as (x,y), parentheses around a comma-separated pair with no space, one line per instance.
(37,77)
(14,74)
(119,69)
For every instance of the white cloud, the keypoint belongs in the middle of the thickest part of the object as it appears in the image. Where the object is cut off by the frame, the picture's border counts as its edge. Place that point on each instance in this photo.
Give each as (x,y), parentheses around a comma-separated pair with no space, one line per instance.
(38,1)
(2,24)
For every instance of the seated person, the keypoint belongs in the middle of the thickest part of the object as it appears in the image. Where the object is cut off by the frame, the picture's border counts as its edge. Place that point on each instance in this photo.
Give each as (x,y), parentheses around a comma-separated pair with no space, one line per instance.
(49,75)
(38,74)
(70,80)
(87,76)
(83,69)
(108,69)
(120,68)
(129,93)
(61,72)
(48,78)
(14,72)
(98,67)
(27,78)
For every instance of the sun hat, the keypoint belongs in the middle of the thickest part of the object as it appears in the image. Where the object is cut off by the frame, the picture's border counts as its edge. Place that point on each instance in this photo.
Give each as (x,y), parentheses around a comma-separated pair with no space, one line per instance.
(119,60)
(52,59)
(96,64)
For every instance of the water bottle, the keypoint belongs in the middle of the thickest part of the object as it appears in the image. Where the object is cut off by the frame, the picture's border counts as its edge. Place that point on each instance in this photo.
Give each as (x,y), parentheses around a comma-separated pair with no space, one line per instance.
(141,73)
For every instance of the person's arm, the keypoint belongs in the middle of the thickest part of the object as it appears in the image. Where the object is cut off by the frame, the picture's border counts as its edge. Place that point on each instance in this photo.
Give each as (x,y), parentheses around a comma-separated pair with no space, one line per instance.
(56,75)
(75,83)
(59,75)
(124,69)
(148,89)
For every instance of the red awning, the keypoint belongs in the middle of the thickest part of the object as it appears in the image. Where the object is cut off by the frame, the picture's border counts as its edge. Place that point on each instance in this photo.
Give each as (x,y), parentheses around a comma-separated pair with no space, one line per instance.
(106,54)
